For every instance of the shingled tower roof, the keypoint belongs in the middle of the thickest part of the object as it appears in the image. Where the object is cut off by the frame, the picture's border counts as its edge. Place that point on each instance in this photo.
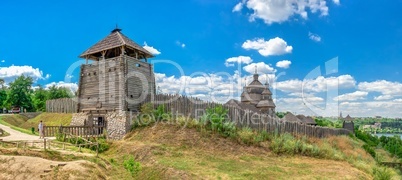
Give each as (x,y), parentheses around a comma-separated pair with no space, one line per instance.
(114,40)
(348,118)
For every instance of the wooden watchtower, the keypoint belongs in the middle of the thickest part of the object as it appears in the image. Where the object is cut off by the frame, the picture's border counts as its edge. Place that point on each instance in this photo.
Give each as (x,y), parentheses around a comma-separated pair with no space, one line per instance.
(119,77)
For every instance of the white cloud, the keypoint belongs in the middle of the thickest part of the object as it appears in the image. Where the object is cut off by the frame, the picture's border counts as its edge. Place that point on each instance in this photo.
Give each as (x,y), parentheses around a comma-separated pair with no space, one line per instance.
(358,95)
(275,46)
(151,49)
(337,2)
(210,87)
(13,72)
(3,61)
(373,108)
(314,37)
(383,97)
(319,84)
(240,59)
(72,86)
(238,7)
(397,100)
(299,100)
(283,64)
(382,86)
(261,68)
(277,11)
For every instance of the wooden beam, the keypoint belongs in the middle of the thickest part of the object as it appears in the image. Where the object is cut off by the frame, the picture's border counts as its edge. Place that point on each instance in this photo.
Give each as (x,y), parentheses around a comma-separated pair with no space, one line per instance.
(103,54)
(122,50)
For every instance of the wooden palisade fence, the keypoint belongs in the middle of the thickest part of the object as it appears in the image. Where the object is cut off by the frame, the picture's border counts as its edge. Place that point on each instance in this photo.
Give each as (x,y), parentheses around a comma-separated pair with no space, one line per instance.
(63,105)
(194,108)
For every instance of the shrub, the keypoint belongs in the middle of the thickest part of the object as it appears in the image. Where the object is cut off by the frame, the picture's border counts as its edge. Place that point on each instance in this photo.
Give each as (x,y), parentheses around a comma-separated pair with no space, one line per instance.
(228,129)
(283,144)
(160,113)
(367,138)
(132,166)
(246,135)
(60,137)
(145,118)
(77,140)
(217,117)
(382,173)
(287,144)
(369,150)
(147,108)
(216,120)
(103,145)
(261,137)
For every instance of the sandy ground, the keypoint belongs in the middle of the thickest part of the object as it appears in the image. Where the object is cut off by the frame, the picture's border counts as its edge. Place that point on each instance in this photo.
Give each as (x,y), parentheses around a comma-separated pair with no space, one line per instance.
(23,167)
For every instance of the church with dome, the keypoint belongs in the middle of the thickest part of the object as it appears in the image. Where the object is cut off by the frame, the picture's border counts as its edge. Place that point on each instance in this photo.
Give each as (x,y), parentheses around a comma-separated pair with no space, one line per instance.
(255,97)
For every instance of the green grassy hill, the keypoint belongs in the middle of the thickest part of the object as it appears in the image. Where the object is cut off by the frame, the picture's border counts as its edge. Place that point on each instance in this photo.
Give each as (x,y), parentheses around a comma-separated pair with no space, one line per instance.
(166,151)
(22,123)
(49,119)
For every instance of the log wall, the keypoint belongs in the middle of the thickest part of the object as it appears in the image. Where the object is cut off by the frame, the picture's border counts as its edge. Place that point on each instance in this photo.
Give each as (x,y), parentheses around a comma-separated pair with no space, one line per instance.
(116,83)
(63,105)
(194,108)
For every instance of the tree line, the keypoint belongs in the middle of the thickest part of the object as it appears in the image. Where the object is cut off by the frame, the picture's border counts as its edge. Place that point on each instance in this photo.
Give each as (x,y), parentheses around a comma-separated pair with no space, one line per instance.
(20,93)
(391,144)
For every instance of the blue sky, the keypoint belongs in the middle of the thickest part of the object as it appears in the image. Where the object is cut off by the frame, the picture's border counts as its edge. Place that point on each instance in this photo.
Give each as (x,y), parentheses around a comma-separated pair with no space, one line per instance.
(43,39)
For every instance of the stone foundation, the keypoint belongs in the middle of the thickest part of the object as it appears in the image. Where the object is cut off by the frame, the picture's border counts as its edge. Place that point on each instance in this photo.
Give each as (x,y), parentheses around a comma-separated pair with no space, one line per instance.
(79,119)
(118,123)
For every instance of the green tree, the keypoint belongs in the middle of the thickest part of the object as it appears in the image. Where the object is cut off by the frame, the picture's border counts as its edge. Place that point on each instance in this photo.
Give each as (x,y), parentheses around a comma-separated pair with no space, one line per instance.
(39,98)
(3,97)
(59,92)
(281,114)
(20,91)
(2,83)
(3,93)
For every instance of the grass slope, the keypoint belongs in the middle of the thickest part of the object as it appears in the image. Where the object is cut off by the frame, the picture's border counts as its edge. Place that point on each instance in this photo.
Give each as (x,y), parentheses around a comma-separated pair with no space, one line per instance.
(49,119)
(14,121)
(170,152)
(23,124)
(166,151)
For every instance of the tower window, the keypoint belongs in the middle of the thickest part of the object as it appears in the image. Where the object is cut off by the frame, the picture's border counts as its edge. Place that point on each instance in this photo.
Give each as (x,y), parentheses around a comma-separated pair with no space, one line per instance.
(138,65)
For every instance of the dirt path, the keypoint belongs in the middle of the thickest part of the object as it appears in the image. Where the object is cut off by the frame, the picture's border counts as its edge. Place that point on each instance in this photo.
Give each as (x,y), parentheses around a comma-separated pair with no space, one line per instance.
(16,135)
